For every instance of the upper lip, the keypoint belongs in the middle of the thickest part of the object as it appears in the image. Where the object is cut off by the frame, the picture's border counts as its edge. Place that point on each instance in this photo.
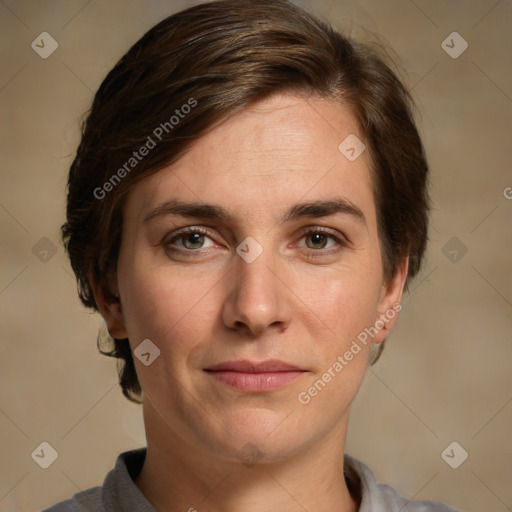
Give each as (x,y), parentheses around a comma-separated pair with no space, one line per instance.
(243,365)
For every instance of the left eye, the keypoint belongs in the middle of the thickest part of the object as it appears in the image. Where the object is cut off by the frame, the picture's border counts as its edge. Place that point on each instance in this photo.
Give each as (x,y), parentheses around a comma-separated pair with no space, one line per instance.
(192,240)
(319,240)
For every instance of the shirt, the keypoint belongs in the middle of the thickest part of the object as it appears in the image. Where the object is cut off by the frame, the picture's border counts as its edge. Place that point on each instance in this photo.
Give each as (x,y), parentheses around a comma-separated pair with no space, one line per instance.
(120,494)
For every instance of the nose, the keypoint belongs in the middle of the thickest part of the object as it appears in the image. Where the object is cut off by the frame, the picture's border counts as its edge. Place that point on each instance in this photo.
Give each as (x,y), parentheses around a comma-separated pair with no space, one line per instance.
(258,298)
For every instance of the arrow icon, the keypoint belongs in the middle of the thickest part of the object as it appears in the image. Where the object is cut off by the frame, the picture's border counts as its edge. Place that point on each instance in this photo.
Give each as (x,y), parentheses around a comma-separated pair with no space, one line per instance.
(146,352)
(250,454)
(454,455)
(454,249)
(454,45)
(44,250)
(249,249)
(351,147)
(44,455)
(44,45)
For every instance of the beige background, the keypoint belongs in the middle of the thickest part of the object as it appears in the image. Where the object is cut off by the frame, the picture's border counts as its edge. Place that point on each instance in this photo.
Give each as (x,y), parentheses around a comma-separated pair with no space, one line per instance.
(446,372)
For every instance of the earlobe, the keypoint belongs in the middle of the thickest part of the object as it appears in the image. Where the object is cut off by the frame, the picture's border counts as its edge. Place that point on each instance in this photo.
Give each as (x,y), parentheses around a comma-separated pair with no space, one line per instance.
(390,302)
(109,305)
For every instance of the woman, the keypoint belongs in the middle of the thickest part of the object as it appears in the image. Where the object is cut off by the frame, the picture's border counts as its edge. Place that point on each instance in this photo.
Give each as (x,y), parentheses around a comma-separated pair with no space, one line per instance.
(247,203)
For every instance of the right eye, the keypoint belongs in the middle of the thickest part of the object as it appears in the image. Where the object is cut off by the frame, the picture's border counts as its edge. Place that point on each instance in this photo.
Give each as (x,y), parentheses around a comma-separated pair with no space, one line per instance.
(190,240)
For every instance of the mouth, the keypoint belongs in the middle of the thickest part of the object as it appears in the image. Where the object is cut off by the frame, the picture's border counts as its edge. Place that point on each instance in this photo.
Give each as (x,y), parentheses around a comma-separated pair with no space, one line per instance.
(255,377)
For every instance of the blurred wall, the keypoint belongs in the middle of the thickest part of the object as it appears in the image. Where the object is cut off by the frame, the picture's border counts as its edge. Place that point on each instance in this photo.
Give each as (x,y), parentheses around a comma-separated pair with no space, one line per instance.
(445,375)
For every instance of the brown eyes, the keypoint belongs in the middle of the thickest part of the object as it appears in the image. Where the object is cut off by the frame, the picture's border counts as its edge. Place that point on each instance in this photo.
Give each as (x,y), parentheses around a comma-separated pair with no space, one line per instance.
(194,239)
(318,240)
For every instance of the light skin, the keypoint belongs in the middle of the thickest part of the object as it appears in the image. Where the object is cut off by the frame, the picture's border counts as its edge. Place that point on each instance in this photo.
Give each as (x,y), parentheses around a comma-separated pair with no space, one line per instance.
(303,301)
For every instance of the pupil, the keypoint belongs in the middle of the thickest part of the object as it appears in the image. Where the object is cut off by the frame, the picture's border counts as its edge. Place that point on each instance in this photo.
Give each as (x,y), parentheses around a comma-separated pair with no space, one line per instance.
(318,238)
(194,238)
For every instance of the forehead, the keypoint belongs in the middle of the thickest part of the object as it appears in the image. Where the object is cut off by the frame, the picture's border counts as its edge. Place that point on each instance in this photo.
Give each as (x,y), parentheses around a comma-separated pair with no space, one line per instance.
(267,157)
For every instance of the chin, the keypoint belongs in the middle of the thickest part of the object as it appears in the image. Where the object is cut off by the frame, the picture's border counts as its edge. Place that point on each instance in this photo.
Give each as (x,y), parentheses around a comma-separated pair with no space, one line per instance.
(257,440)
(251,450)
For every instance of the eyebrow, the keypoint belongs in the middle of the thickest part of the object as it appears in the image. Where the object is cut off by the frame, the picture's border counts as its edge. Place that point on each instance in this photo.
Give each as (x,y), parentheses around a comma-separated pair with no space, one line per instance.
(320,208)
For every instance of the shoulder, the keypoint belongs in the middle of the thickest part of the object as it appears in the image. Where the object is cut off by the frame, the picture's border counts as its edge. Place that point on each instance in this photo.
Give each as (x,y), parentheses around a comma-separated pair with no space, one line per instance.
(377,497)
(84,501)
(118,491)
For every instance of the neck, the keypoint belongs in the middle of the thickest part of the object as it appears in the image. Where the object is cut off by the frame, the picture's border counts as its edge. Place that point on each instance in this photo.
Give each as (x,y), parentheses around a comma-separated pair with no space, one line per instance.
(177,476)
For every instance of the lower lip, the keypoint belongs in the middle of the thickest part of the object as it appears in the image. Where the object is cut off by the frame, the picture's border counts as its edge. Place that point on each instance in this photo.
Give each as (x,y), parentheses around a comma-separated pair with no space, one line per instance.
(256,382)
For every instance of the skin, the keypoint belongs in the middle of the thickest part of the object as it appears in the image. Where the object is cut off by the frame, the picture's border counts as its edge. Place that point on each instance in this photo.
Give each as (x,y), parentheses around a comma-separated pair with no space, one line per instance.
(212,306)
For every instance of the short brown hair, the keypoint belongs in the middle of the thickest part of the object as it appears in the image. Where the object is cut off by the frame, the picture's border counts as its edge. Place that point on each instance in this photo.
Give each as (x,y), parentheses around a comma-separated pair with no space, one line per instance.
(219,58)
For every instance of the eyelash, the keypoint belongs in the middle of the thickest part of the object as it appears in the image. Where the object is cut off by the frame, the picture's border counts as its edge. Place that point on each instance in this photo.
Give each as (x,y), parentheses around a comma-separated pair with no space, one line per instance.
(341,243)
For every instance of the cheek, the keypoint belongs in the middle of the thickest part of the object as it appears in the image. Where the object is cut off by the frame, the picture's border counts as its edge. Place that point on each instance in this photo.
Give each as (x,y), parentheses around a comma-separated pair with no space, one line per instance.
(165,305)
(342,302)
(347,306)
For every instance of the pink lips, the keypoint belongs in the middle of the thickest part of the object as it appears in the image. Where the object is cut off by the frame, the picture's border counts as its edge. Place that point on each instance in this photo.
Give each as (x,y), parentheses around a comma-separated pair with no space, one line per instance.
(253,376)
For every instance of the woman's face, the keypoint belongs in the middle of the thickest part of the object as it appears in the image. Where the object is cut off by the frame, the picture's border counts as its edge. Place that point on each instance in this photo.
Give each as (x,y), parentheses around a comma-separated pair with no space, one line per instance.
(283,264)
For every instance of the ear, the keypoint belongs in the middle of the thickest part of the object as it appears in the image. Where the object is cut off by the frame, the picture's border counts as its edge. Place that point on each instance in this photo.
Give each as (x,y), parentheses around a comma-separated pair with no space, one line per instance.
(390,302)
(106,295)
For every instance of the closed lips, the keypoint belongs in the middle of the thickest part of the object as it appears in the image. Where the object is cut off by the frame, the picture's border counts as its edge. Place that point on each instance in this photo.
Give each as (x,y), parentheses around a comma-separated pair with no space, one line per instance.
(245,366)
